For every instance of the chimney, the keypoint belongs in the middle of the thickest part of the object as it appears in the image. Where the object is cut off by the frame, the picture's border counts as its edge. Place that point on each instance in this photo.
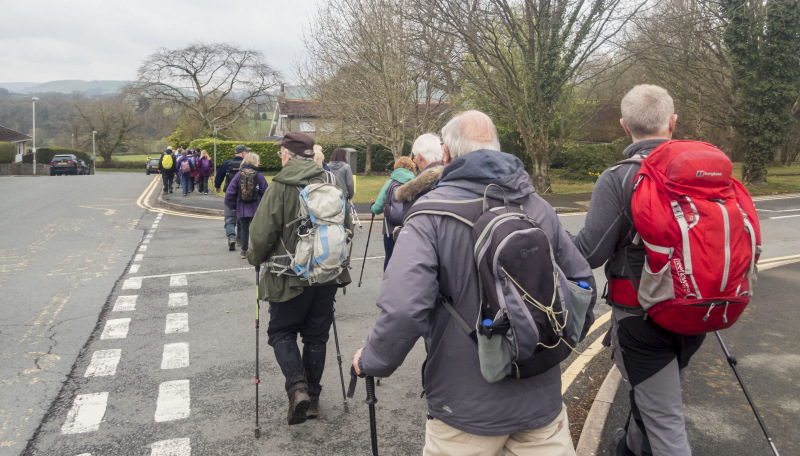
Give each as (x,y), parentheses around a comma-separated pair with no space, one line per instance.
(282,94)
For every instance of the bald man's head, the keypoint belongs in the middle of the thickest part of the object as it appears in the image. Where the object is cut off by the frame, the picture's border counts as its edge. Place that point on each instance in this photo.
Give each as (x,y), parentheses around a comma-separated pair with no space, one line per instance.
(468,132)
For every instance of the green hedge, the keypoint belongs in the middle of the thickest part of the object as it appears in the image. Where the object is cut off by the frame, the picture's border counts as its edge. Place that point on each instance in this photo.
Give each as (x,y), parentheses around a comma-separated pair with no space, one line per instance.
(585,162)
(267,151)
(117,164)
(8,152)
(382,159)
(44,155)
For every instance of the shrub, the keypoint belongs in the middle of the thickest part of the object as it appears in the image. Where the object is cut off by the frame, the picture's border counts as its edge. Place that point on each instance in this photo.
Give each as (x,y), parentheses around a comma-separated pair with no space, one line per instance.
(119,164)
(585,162)
(44,155)
(8,152)
(266,150)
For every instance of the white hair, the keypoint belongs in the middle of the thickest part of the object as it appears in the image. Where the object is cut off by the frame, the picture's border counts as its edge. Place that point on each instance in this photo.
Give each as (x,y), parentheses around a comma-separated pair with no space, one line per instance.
(646,110)
(468,132)
(429,147)
(251,159)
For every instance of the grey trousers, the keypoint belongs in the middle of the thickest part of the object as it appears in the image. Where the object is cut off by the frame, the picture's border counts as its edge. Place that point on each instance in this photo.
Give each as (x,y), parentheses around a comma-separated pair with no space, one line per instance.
(233,229)
(651,361)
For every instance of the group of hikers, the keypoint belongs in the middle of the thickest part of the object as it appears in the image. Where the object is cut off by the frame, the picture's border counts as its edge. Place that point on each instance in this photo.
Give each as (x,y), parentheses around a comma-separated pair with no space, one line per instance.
(434,286)
(192,167)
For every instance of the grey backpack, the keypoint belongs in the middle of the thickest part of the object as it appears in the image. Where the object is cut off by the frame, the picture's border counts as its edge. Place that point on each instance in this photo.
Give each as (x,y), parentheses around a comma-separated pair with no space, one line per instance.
(530,317)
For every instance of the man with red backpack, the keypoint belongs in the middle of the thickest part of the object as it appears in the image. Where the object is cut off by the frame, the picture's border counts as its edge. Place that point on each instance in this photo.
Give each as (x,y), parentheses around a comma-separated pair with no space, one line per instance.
(679,239)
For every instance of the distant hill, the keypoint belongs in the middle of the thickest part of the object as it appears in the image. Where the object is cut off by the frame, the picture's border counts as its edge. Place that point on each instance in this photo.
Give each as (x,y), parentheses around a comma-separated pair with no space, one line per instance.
(66,87)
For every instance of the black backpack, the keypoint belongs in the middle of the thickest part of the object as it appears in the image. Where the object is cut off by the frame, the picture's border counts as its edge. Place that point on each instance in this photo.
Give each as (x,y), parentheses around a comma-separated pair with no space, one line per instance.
(526,322)
(393,209)
(233,168)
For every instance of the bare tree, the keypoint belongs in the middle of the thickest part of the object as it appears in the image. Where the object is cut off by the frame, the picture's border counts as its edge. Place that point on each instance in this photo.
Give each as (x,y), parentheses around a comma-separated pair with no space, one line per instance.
(521,55)
(215,82)
(113,120)
(364,69)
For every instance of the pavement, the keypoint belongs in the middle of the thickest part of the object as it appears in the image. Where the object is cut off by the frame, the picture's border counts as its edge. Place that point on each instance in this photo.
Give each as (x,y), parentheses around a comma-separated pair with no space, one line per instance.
(718,418)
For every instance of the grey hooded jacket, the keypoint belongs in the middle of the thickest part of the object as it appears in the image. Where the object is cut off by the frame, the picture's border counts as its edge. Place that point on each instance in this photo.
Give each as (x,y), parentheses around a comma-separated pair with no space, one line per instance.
(434,255)
(344,176)
(608,231)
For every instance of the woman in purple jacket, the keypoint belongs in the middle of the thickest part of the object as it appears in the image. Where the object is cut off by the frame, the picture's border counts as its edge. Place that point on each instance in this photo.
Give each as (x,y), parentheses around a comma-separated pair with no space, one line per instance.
(244,194)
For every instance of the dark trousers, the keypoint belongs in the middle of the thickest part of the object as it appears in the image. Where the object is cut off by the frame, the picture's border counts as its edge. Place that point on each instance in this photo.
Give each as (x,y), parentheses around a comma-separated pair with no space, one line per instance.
(203,188)
(388,247)
(311,315)
(167,179)
(244,224)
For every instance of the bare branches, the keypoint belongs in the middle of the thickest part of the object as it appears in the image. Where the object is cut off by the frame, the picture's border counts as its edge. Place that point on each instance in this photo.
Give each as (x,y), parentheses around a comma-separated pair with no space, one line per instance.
(216,82)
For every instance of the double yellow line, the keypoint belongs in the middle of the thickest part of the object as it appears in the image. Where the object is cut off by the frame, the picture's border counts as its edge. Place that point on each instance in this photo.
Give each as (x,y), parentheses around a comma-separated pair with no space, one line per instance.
(144,202)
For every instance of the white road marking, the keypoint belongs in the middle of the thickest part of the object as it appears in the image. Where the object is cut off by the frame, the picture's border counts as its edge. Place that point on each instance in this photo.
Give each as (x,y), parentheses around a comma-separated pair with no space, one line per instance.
(177,323)
(134,283)
(763,261)
(174,447)
(138,257)
(85,454)
(104,363)
(146,241)
(784,216)
(574,369)
(175,356)
(777,210)
(125,304)
(178,300)
(155,225)
(177,281)
(173,401)
(143,248)
(116,329)
(86,413)
(134,269)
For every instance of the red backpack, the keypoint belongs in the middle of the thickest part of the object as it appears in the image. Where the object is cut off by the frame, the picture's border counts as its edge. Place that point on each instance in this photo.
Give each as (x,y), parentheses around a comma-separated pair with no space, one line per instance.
(701,235)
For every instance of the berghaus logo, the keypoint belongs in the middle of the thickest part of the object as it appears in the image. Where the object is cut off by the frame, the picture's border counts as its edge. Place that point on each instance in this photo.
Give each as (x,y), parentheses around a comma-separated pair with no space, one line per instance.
(707,174)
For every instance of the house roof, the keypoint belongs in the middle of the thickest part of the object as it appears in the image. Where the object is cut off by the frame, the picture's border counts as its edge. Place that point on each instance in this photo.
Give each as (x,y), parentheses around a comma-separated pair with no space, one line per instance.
(300,108)
(9,135)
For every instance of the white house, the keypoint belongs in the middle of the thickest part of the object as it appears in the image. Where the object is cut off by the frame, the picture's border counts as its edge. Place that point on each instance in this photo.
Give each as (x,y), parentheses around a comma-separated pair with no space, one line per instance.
(17,138)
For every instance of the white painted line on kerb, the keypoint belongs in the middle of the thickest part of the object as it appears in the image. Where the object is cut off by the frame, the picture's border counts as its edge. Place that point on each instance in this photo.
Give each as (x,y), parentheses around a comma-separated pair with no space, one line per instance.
(177,281)
(104,363)
(116,329)
(574,369)
(134,269)
(143,248)
(174,447)
(134,283)
(86,413)
(178,300)
(173,401)
(138,257)
(125,304)
(177,323)
(175,356)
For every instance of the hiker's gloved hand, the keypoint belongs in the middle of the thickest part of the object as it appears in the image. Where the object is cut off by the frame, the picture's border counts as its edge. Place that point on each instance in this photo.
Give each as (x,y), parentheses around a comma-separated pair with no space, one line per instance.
(357,362)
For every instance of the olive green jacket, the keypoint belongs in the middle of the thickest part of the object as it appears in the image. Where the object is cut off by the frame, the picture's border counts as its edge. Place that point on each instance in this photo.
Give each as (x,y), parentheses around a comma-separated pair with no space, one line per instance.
(279,206)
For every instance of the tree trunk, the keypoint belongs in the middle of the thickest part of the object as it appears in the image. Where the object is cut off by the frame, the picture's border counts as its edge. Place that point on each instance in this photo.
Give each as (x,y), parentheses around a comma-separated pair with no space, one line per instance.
(540,173)
(368,163)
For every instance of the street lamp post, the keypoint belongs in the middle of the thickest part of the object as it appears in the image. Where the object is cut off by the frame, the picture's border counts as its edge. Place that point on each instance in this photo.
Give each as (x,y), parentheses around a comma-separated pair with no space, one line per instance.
(73,140)
(34,99)
(94,155)
(215,147)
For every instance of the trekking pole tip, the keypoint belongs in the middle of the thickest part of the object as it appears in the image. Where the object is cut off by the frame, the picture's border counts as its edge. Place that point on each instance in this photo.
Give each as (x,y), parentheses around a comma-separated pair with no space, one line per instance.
(257,432)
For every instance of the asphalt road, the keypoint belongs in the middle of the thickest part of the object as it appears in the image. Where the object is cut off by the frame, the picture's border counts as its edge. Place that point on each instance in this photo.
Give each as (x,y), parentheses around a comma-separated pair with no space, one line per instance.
(162,357)
(66,241)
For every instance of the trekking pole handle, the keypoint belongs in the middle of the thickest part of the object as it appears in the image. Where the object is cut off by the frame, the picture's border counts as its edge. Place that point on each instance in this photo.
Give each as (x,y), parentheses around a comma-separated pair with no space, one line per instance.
(371,400)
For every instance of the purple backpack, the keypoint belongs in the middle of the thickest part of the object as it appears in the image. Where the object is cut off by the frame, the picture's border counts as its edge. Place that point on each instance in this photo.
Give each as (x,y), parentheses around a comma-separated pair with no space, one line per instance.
(205,167)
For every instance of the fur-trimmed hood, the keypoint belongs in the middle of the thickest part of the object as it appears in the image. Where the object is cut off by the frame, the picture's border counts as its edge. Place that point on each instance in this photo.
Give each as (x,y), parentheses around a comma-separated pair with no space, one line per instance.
(411,190)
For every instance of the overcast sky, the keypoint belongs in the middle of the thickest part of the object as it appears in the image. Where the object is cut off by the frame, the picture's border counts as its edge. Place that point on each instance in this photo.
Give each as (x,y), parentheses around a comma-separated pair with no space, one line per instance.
(49,40)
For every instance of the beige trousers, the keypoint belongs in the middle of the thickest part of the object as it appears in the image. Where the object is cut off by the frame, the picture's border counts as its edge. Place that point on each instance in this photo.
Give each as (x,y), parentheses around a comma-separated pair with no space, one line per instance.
(551,440)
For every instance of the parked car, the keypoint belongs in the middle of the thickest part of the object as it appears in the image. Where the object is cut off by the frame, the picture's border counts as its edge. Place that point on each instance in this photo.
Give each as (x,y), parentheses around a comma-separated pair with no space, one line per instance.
(64,164)
(82,167)
(152,165)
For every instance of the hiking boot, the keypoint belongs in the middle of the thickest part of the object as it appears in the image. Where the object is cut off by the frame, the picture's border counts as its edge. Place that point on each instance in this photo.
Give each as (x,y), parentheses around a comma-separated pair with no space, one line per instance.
(231,245)
(313,409)
(619,444)
(298,405)
(243,254)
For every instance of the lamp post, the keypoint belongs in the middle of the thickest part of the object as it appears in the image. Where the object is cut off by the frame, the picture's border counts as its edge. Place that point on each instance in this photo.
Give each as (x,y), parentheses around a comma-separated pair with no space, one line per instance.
(94,155)
(73,140)
(215,148)
(34,99)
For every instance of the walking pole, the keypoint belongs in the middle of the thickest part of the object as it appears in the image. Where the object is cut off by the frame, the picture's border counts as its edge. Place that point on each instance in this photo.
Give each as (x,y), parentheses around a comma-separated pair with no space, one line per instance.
(369,234)
(355,215)
(373,427)
(339,359)
(371,401)
(258,307)
(732,362)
